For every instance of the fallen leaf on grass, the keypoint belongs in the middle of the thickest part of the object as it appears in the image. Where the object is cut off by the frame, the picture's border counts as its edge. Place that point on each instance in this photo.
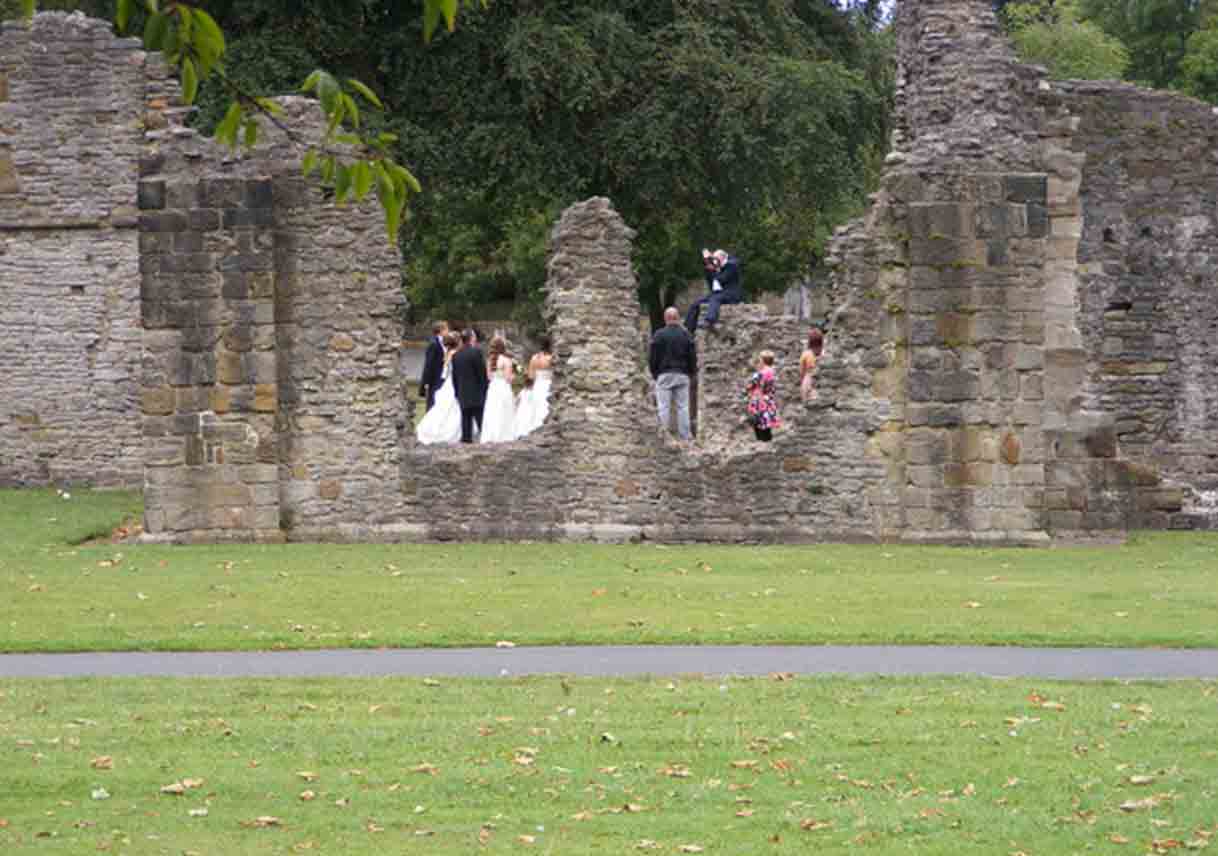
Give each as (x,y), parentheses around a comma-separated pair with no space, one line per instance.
(972,604)
(307,775)
(689,848)
(1118,839)
(809,824)
(197,812)
(1139,805)
(503,643)
(308,796)
(745,812)
(426,768)
(647,844)
(262,822)
(676,771)
(430,682)
(1052,705)
(102,762)
(745,765)
(1141,780)
(526,839)
(181,787)
(100,794)
(582,815)
(373,826)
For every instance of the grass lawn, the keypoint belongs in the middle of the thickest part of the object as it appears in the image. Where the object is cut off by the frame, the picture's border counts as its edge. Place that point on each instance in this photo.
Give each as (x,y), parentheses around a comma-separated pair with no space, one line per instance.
(1160,589)
(579,766)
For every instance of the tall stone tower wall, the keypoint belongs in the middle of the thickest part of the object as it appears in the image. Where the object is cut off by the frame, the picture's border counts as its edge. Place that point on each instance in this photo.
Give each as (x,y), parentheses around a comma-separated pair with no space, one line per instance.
(71,110)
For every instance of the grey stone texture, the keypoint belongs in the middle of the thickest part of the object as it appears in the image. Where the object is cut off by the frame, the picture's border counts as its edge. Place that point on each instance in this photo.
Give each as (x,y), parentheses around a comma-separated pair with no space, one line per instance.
(1020,343)
(71,98)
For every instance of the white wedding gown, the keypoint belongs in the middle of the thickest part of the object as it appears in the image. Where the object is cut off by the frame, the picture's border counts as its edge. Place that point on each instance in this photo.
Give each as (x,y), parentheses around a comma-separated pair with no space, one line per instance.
(533,405)
(442,424)
(499,413)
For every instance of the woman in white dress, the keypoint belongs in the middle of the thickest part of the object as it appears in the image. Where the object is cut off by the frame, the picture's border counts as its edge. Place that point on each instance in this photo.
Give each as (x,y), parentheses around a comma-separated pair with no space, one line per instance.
(533,406)
(442,424)
(499,413)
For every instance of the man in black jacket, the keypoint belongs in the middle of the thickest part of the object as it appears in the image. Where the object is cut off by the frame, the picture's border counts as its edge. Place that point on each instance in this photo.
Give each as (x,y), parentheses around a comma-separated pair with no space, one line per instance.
(433,364)
(470,382)
(723,284)
(673,362)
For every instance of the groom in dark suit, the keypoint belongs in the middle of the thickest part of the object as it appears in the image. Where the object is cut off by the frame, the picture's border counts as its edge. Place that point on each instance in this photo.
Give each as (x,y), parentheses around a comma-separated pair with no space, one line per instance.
(470,381)
(433,364)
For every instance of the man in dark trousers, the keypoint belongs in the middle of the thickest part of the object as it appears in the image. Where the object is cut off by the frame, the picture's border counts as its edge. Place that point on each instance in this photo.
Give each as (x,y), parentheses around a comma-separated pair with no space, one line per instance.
(433,364)
(673,362)
(470,382)
(723,282)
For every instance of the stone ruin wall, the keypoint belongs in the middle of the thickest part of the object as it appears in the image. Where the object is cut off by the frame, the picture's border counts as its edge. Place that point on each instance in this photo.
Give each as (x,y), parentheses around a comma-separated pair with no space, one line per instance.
(1021,345)
(234,349)
(70,106)
(1033,269)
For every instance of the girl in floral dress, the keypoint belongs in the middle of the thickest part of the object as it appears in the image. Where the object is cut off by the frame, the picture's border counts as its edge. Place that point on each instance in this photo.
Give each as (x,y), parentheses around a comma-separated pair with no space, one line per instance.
(762,394)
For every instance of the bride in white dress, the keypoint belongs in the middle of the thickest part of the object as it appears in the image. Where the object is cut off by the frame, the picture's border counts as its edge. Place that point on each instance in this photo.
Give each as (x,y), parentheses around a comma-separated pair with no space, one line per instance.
(442,424)
(533,405)
(499,413)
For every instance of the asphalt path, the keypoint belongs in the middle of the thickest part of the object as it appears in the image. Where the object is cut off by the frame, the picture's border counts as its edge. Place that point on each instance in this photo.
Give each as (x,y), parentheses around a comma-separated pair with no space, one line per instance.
(621,661)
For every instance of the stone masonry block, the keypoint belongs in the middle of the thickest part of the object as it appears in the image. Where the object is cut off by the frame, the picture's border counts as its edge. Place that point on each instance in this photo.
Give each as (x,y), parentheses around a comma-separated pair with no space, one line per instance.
(942,220)
(1027,188)
(150,194)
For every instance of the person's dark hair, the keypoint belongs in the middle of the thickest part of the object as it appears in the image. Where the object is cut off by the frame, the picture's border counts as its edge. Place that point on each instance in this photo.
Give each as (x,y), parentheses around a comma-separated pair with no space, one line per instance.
(767,358)
(438,327)
(816,341)
(545,344)
(467,336)
(451,341)
(498,349)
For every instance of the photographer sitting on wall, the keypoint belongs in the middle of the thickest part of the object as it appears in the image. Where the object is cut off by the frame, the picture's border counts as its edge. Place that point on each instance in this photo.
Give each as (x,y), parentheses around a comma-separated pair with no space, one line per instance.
(723,280)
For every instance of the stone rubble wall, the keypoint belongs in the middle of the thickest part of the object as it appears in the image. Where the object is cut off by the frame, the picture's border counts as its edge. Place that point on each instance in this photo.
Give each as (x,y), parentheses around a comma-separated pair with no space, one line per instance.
(70,136)
(1021,345)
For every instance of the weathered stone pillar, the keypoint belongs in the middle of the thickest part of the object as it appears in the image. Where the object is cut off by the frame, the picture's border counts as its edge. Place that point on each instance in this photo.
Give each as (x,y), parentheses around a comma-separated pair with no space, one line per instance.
(210,383)
(593,308)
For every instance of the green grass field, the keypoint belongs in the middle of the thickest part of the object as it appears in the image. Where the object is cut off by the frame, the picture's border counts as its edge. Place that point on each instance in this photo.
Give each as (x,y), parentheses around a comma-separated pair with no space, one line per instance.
(1160,589)
(579,767)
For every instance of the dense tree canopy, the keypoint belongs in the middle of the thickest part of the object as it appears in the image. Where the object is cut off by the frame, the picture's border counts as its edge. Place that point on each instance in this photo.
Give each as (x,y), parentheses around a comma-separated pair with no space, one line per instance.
(754,124)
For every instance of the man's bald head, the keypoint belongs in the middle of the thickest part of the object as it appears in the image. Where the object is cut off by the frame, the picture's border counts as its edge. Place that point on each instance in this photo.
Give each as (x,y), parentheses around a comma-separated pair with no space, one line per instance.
(671,316)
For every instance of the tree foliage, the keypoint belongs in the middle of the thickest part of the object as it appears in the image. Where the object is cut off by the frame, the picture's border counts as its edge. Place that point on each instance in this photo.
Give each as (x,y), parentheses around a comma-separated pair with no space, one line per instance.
(753,125)
(1054,35)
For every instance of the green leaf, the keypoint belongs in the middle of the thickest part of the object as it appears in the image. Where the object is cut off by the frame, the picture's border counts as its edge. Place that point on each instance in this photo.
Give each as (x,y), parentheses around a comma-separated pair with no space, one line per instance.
(362,179)
(328,91)
(122,15)
(251,132)
(312,81)
(368,94)
(309,163)
(342,183)
(209,31)
(404,176)
(431,18)
(226,131)
(348,139)
(155,30)
(190,81)
(449,8)
(351,109)
(327,169)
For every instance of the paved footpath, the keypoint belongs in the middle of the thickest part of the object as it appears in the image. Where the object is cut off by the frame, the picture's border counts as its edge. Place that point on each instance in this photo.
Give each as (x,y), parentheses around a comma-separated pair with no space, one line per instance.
(1075,663)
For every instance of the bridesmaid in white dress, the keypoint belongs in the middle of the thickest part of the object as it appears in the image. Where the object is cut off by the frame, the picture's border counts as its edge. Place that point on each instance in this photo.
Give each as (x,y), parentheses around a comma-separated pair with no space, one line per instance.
(499,413)
(533,406)
(442,424)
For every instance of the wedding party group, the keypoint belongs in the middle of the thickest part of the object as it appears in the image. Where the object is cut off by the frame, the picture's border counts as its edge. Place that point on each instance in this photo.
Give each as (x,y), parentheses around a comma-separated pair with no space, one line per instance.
(469,393)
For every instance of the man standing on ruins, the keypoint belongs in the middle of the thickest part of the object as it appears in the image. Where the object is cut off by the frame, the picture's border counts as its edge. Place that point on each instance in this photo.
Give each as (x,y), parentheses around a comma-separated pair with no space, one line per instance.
(673,361)
(470,381)
(433,364)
